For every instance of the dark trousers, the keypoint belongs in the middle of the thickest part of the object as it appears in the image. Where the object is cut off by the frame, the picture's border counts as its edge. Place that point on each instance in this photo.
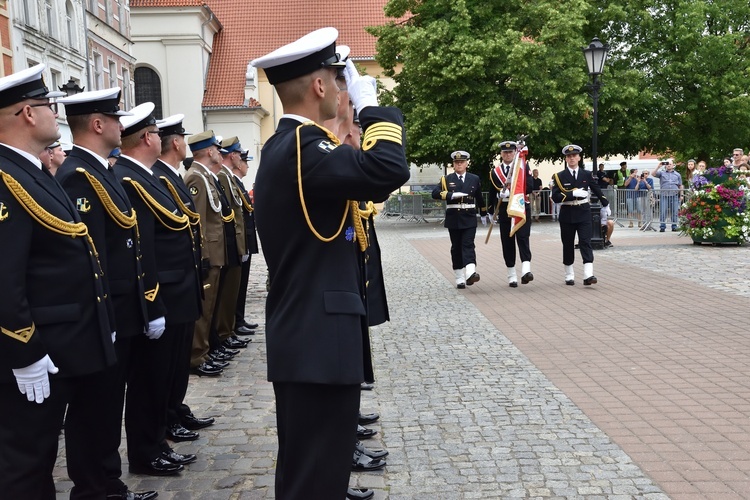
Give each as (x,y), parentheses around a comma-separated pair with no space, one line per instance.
(462,247)
(226,304)
(148,393)
(177,409)
(520,238)
(29,434)
(239,313)
(317,431)
(111,414)
(568,232)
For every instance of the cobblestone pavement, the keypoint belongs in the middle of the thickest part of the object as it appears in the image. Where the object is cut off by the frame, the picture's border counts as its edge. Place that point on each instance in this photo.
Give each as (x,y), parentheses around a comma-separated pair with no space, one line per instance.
(486,393)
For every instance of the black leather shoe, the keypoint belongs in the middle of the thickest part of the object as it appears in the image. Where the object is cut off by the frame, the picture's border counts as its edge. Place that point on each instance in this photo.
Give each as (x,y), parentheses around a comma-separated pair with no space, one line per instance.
(526,278)
(217,364)
(363,463)
(235,343)
(227,352)
(590,280)
(513,284)
(472,279)
(570,282)
(178,458)
(370,453)
(178,433)
(365,433)
(193,423)
(219,356)
(368,418)
(156,467)
(461,286)
(206,370)
(251,326)
(359,493)
(129,495)
(243,330)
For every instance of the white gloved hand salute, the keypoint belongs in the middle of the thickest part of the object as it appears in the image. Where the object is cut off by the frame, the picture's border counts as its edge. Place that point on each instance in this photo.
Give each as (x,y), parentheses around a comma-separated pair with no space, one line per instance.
(458,194)
(580,193)
(34,379)
(155,328)
(362,89)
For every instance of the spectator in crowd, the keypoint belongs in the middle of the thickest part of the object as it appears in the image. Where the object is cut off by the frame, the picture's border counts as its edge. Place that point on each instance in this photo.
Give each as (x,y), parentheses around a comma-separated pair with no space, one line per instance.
(727,161)
(536,194)
(630,185)
(670,193)
(619,177)
(608,225)
(643,188)
(737,155)
(690,171)
(603,178)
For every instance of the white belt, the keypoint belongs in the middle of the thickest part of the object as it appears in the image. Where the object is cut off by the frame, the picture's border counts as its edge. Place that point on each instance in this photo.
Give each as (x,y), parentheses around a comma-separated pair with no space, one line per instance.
(577,202)
(462,205)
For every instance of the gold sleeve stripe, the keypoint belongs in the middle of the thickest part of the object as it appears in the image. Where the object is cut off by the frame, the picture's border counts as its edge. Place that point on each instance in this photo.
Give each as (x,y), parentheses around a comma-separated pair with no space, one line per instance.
(24,334)
(151,294)
(382,131)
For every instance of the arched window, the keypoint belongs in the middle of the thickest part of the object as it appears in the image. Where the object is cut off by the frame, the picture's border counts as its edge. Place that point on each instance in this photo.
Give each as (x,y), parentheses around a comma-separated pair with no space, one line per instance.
(70,25)
(148,88)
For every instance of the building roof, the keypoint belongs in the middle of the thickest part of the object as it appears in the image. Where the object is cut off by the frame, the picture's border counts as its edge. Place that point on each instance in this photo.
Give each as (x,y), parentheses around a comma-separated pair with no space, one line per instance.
(264,26)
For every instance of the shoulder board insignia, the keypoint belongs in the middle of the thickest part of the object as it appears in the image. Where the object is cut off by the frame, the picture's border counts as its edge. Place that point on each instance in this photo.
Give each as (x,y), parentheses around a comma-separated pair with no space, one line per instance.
(83,205)
(193,190)
(326,146)
(4,213)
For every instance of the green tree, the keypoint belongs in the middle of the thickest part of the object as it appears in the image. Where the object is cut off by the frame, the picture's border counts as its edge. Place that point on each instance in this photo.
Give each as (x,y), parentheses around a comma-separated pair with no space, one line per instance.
(471,73)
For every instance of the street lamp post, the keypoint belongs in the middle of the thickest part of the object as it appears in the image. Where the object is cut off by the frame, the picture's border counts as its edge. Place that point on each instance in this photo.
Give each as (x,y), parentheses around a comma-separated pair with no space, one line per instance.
(71,87)
(596,55)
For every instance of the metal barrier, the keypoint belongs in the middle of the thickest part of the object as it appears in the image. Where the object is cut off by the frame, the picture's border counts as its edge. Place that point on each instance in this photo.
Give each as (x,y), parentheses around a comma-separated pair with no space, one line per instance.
(645,207)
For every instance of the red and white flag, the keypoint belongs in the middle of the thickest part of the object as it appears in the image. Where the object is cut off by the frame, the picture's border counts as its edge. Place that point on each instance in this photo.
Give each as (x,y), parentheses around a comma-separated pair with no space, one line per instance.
(517,200)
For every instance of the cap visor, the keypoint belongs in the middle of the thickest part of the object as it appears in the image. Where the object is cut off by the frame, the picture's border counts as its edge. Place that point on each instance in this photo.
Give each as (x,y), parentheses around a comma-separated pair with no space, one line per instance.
(53,95)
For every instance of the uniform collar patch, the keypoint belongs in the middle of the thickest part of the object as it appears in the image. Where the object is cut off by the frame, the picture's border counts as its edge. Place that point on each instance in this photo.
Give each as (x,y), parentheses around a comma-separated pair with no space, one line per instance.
(83,205)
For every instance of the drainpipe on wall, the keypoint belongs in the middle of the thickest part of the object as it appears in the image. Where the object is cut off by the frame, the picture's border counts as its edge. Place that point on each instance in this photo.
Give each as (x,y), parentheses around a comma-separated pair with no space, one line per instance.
(86,42)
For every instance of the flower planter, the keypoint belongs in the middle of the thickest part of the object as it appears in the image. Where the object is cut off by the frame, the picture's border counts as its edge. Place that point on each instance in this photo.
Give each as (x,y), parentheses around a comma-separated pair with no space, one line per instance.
(718,238)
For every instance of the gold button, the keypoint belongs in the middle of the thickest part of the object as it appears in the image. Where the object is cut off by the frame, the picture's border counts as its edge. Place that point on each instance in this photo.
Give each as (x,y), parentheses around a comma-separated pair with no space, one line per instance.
(98,299)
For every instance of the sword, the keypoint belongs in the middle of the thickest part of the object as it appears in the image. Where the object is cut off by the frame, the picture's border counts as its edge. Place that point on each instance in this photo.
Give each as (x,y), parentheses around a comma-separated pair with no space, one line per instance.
(493,219)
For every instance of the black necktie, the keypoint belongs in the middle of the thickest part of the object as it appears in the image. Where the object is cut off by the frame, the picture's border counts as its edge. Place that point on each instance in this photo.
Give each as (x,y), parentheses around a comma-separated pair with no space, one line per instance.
(461,178)
(574,175)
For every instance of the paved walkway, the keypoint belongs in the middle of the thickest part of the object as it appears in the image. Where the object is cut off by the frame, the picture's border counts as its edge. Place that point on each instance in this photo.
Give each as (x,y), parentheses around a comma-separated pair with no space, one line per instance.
(636,387)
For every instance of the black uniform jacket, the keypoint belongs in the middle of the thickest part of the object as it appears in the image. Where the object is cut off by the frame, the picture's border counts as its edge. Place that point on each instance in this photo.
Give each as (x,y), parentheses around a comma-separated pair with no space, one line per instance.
(51,300)
(461,218)
(167,176)
(170,242)
(118,246)
(562,190)
(251,238)
(315,311)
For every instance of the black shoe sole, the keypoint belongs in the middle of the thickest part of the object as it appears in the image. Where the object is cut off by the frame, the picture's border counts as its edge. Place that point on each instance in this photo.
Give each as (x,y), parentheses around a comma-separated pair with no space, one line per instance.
(147,471)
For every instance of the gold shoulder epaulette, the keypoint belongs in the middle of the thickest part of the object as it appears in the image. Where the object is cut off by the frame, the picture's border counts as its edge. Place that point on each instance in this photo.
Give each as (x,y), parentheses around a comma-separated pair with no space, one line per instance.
(194,216)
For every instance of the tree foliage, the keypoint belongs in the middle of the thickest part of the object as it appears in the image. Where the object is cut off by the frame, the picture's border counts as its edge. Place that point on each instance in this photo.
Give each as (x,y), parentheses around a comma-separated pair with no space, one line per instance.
(471,73)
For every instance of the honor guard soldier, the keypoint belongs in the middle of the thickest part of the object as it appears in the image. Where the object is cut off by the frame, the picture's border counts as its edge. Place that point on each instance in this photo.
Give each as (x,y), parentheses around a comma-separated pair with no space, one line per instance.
(180,419)
(572,188)
(94,120)
(311,231)
(56,333)
(202,185)
(241,325)
(168,254)
(231,149)
(462,192)
(501,178)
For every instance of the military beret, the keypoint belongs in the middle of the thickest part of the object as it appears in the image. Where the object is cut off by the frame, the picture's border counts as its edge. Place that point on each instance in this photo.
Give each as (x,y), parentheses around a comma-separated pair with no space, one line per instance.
(460,156)
(572,149)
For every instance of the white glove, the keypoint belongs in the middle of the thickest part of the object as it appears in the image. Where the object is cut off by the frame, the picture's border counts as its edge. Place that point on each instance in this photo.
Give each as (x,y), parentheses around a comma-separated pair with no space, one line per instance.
(458,194)
(605,212)
(34,379)
(362,89)
(155,328)
(245,257)
(580,193)
(504,194)
(114,337)
(484,220)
